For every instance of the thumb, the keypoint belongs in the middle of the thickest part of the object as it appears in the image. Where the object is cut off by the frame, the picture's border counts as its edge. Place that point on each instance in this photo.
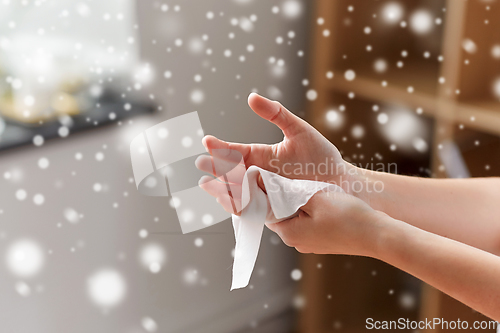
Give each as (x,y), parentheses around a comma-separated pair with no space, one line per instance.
(276,113)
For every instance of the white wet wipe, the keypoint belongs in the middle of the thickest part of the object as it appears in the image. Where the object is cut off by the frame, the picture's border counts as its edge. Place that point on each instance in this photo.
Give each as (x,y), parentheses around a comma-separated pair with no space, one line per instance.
(283,200)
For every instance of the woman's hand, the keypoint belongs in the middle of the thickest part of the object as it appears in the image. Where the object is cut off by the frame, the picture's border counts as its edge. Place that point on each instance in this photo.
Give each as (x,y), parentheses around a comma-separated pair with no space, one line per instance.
(303,154)
(334,223)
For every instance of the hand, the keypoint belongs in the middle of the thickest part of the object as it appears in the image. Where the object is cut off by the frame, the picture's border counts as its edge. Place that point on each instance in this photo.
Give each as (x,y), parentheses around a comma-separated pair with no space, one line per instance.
(334,223)
(298,156)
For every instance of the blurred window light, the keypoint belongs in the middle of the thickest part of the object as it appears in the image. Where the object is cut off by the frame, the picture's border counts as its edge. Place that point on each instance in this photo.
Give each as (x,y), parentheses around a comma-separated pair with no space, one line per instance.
(57,48)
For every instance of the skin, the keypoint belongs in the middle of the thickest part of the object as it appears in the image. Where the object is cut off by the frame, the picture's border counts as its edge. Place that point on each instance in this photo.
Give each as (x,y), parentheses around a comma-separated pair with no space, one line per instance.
(445,232)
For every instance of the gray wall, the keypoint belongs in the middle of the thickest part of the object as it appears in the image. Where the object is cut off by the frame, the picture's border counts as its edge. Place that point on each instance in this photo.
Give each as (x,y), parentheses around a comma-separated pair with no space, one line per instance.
(108,236)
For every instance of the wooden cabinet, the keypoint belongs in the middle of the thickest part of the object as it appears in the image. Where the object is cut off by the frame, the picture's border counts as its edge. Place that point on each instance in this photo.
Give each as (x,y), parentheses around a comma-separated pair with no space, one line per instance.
(449,76)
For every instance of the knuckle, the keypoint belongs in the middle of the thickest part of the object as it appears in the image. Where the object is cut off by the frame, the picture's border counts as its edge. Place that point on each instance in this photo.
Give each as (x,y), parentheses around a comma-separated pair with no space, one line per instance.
(288,239)
(302,249)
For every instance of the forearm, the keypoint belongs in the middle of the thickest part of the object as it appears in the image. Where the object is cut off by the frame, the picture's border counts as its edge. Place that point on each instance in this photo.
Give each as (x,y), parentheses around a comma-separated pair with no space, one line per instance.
(468,274)
(467,210)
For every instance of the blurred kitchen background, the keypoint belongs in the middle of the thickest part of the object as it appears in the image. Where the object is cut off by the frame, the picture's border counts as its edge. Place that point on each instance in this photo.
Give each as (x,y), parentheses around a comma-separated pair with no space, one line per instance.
(415,83)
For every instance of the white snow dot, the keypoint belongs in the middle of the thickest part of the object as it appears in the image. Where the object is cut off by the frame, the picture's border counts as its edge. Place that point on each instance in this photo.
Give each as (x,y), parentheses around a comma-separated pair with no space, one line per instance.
(495,51)
(421,22)
(207,219)
(175,202)
(292,8)
(21,195)
(23,289)
(187,141)
(469,46)
(312,94)
(149,324)
(380,65)
(38,140)
(38,199)
(43,163)
(162,133)
(97,187)
(197,96)
(357,131)
(190,276)
(382,118)
(407,301)
(187,216)
(63,131)
(392,12)
(71,215)
(99,156)
(332,116)
(420,145)
(350,75)
(296,274)
(198,242)
(106,288)
(24,258)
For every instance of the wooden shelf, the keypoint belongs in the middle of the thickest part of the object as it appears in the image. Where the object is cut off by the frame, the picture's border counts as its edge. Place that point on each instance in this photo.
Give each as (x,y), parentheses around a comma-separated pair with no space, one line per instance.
(483,116)
(393,93)
(346,48)
(478,115)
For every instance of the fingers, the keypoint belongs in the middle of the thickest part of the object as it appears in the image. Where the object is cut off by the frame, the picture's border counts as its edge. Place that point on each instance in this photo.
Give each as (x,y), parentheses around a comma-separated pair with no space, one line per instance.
(226,171)
(274,112)
(292,231)
(211,143)
(227,196)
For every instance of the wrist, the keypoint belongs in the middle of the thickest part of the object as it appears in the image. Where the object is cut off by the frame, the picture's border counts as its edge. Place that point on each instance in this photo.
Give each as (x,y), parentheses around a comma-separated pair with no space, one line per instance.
(391,238)
(364,184)
(353,180)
